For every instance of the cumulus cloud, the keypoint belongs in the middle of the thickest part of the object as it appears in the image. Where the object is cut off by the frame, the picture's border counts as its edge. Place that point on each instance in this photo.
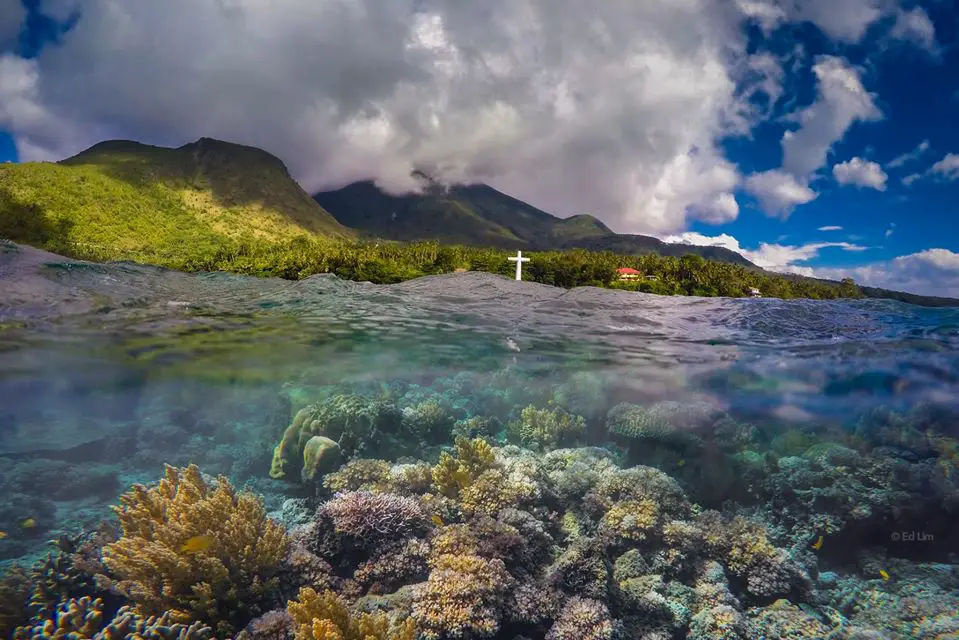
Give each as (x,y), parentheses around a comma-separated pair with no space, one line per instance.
(841,101)
(12,15)
(615,108)
(947,168)
(771,256)
(916,27)
(909,156)
(862,173)
(778,192)
(830,227)
(933,272)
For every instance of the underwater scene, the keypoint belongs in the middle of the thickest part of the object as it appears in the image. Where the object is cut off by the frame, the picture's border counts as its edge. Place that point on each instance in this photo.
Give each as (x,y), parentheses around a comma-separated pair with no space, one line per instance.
(467,456)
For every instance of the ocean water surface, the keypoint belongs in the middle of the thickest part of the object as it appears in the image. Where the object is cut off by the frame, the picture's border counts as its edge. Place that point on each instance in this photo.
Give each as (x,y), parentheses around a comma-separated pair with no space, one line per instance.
(831,425)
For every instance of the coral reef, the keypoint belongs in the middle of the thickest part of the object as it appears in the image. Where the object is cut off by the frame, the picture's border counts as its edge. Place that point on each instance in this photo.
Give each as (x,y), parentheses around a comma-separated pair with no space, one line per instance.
(370,517)
(546,429)
(324,616)
(463,597)
(582,619)
(190,546)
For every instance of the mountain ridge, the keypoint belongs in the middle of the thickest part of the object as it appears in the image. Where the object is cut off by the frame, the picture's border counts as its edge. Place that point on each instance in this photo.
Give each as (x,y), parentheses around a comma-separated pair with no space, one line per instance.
(479,215)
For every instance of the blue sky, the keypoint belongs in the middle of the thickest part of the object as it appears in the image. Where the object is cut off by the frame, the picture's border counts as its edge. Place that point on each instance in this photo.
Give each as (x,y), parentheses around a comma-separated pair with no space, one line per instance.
(813,136)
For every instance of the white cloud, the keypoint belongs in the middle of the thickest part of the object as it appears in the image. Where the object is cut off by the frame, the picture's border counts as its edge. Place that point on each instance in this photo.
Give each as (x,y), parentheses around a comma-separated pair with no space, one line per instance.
(890,229)
(909,156)
(841,101)
(774,257)
(830,227)
(947,168)
(862,173)
(915,26)
(615,108)
(912,177)
(933,272)
(12,15)
(844,20)
(778,192)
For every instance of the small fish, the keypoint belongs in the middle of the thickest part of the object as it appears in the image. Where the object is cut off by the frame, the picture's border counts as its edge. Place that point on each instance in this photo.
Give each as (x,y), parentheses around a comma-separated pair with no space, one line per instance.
(511,345)
(3,534)
(681,463)
(817,545)
(438,521)
(28,523)
(196,544)
(884,574)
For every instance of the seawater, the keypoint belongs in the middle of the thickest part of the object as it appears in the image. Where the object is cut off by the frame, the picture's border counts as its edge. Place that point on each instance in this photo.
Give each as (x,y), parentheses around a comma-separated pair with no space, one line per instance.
(110,371)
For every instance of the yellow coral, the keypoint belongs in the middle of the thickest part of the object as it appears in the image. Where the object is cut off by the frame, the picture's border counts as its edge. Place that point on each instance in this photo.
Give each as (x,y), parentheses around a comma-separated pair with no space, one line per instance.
(454,473)
(493,491)
(289,447)
(324,616)
(546,428)
(235,571)
(360,475)
(631,520)
(462,597)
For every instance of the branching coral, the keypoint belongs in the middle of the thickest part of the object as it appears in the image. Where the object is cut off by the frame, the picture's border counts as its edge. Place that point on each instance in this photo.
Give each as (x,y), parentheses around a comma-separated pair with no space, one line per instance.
(582,619)
(324,616)
(462,598)
(360,474)
(455,472)
(370,517)
(75,618)
(668,423)
(225,579)
(633,520)
(546,428)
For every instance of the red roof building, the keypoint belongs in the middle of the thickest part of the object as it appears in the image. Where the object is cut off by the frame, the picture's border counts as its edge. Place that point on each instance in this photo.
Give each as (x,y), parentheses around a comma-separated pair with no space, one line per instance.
(627,273)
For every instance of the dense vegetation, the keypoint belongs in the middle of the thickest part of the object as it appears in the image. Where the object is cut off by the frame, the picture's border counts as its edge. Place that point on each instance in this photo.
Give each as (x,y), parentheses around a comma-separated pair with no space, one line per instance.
(148,203)
(213,205)
(390,262)
(478,215)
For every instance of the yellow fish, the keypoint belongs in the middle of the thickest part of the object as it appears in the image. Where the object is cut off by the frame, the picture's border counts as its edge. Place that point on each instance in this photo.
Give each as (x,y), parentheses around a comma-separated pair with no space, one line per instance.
(196,544)
(438,521)
(680,463)
(884,574)
(817,545)
(28,523)
(3,534)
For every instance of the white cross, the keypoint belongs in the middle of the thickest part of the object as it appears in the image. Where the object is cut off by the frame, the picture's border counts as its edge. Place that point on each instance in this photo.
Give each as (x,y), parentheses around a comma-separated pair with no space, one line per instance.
(519,260)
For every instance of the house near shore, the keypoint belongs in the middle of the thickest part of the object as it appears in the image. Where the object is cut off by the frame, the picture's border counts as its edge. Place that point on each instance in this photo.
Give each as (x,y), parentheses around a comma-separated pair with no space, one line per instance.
(754,292)
(627,273)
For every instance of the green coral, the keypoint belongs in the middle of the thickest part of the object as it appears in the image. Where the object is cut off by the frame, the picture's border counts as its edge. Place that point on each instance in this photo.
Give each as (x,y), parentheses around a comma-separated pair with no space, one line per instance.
(352,421)
(546,428)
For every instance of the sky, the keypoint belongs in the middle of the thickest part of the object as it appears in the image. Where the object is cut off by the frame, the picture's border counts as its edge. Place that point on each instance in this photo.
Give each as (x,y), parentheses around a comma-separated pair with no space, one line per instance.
(812,136)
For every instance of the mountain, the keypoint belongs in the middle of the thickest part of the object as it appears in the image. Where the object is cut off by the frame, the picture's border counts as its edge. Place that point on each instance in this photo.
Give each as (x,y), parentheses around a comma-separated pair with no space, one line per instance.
(480,215)
(152,202)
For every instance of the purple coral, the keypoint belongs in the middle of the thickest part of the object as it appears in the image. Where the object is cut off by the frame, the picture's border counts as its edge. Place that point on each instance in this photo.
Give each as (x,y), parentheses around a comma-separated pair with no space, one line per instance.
(365,515)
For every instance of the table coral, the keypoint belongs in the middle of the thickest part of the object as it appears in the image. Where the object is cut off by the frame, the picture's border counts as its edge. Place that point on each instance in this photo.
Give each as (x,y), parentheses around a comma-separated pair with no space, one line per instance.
(227,580)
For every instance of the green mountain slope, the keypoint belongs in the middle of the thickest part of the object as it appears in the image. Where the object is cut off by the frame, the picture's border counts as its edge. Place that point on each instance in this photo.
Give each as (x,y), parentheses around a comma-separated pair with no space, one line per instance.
(479,215)
(155,203)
